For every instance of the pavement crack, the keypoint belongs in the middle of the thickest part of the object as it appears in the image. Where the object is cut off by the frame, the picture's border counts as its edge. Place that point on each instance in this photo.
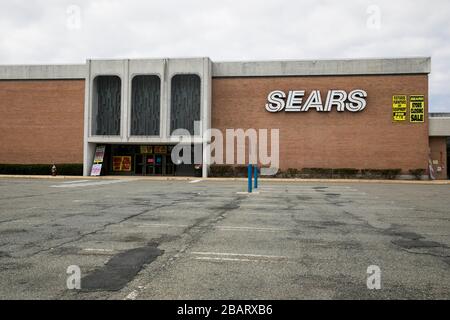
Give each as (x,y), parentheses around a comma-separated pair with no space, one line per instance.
(103,228)
(194,233)
(426,253)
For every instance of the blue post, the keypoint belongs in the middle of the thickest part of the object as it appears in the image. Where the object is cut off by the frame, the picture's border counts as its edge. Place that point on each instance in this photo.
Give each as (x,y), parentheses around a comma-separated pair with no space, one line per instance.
(249,173)
(256,177)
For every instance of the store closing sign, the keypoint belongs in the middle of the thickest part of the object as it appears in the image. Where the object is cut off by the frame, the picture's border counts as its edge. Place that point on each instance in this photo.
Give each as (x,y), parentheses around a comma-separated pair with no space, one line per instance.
(292,101)
(399,104)
(417,108)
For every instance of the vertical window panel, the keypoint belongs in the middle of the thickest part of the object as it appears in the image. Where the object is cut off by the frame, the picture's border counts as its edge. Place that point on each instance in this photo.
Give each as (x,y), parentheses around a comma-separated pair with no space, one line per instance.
(185,102)
(107,105)
(145,105)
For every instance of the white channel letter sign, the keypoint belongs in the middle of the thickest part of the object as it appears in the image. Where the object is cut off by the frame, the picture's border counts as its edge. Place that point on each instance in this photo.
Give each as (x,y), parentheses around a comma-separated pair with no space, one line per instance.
(294,101)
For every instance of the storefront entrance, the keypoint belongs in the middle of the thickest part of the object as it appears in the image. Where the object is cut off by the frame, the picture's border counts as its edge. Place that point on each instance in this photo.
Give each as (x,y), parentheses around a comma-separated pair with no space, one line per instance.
(153,164)
(145,160)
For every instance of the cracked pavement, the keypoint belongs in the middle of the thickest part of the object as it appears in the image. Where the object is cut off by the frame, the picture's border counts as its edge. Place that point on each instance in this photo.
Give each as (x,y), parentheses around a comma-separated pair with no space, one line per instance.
(144,239)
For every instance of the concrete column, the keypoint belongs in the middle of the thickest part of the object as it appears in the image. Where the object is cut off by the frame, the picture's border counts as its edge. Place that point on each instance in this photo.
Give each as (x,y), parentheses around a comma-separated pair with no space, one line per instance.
(165,100)
(206,112)
(125,110)
(87,150)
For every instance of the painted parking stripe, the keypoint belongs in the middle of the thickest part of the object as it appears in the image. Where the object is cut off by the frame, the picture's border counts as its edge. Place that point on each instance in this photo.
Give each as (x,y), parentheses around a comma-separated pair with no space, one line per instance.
(75,181)
(132,295)
(247,193)
(222,228)
(307,188)
(223,259)
(87,184)
(98,250)
(195,181)
(260,204)
(157,225)
(239,255)
(231,228)
(312,192)
(389,208)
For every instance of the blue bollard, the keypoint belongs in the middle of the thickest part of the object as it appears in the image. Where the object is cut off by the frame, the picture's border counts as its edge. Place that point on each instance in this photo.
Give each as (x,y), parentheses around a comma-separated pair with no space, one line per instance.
(255,175)
(249,173)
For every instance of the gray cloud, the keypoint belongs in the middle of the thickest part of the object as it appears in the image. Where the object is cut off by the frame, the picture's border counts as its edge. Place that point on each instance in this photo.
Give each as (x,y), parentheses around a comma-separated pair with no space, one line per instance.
(42,31)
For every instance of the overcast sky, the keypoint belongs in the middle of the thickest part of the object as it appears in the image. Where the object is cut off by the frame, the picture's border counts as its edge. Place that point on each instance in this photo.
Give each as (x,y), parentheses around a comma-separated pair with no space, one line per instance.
(60,31)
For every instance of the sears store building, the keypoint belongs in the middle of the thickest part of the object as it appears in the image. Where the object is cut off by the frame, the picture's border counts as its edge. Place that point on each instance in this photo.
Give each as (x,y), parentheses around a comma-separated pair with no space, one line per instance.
(341,116)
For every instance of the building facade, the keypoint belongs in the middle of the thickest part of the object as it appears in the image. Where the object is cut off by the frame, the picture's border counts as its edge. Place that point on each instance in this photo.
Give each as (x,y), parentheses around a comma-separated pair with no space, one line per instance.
(331,114)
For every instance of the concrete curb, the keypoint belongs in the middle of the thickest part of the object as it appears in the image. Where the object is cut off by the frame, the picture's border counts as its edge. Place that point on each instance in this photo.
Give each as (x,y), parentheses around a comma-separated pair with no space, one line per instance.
(289,180)
(5,176)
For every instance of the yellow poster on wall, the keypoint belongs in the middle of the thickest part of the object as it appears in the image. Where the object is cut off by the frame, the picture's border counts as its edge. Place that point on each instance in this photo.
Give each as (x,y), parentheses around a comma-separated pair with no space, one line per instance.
(146,149)
(417,108)
(122,163)
(160,149)
(399,106)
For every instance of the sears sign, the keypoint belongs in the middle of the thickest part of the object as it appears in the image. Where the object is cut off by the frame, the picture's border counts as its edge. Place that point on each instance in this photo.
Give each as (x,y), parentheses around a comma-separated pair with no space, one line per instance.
(294,101)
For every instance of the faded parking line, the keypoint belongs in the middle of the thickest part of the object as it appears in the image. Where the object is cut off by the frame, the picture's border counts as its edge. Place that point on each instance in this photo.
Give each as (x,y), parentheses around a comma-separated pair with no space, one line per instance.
(97,250)
(75,181)
(240,254)
(241,257)
(86,184)
(231,228)
(222,228)
(157,225)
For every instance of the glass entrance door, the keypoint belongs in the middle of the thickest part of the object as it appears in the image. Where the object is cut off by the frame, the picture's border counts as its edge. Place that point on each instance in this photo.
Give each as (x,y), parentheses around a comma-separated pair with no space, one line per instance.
(153,160)
(144,164)
(150,164)
(158,164)
(139,164)
(169,166)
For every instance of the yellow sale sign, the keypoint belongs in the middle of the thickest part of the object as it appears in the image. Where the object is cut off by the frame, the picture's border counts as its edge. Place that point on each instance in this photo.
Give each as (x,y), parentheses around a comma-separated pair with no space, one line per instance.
(417,108)
(122,163)
(399,106)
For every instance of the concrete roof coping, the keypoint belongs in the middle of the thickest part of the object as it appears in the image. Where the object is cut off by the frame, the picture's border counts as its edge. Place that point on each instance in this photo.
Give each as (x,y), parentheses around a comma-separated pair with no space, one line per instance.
(439,126)
(54,71)
(373,66)
(150,59)
(417,65)
(439,114)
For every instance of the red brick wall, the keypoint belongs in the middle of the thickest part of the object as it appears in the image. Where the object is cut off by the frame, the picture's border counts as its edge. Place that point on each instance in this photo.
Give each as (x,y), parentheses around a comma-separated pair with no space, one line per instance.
(366,139)
(438,151)
(41,121)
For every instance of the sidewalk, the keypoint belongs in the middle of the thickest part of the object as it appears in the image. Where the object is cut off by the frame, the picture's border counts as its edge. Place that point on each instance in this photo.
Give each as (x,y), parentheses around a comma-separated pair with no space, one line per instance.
(284,180)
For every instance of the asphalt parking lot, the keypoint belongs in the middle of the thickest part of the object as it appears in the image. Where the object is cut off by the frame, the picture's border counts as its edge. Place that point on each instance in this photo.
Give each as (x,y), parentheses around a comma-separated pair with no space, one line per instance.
(144,239)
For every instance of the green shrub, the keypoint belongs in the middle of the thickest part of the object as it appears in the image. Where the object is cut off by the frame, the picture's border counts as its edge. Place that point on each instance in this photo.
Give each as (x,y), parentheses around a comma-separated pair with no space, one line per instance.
(219,170)
(417,173)
(316,173)
(380,173)
(345,173)
(329,172)
(282,174)
(240,171)
(70,169)
(292,173)
(64,169)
